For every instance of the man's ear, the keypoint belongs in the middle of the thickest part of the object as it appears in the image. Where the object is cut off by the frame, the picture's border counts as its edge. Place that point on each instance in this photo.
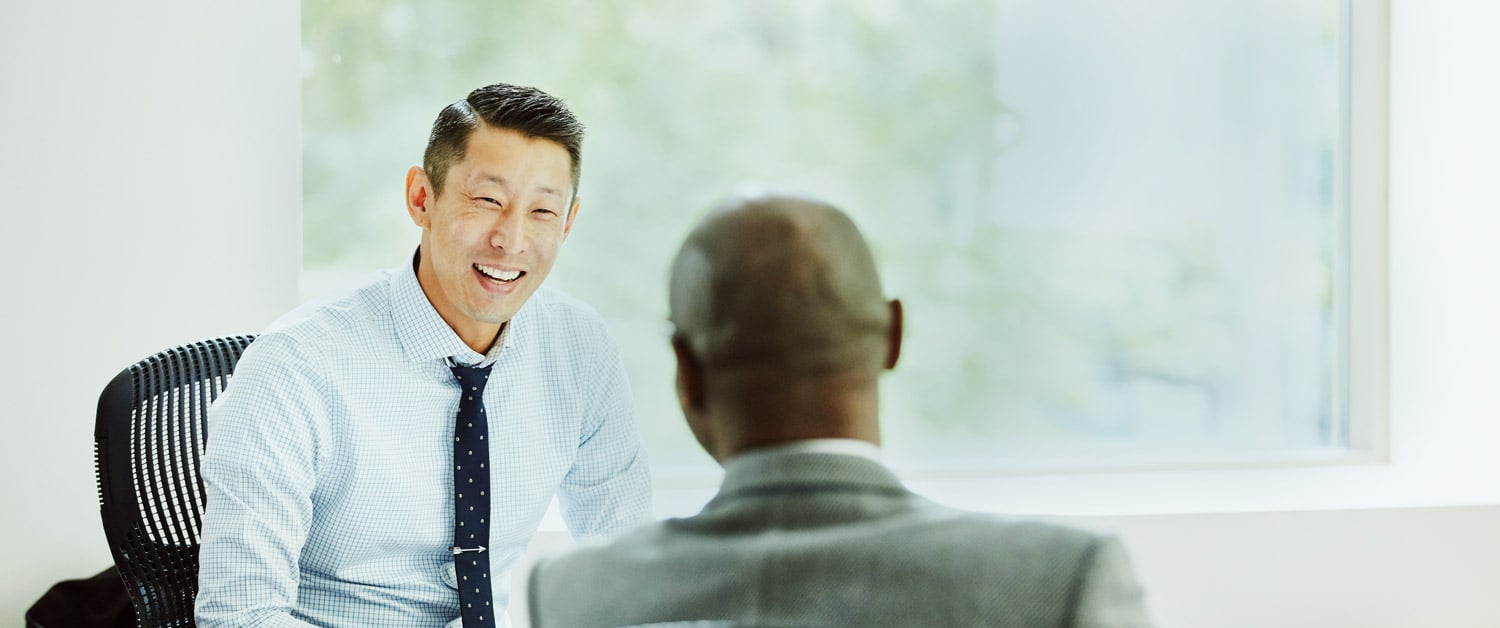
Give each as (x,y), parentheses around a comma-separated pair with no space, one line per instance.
(419,195)
(893,336)
(689,376)
(690,395)
(572,215)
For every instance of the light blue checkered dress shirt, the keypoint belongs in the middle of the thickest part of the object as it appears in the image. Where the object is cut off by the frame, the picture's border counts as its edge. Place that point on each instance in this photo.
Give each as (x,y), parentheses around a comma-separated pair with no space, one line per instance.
(329,458)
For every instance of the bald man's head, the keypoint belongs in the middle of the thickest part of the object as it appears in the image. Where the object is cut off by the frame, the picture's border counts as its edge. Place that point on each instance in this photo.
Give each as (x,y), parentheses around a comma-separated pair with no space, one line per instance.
(779,282)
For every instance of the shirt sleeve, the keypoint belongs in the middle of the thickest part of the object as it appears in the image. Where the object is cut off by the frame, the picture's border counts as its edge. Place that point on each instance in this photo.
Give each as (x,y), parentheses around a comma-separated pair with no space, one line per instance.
(259,471)
(608,489)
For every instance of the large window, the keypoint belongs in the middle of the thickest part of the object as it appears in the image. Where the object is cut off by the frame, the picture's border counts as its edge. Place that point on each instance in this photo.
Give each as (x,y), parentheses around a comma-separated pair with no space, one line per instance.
(1121,231)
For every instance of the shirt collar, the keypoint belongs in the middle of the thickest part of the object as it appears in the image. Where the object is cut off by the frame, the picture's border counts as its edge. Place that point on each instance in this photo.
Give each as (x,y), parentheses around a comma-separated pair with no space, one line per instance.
(472,358)
(843,446)
(425,335)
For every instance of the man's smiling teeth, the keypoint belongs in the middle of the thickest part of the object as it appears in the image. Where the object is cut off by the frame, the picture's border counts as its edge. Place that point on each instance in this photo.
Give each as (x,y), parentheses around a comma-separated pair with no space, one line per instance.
(497,274)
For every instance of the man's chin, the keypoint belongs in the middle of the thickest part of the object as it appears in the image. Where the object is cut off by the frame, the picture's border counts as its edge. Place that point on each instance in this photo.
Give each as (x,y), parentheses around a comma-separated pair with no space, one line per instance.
(492,318)
(494,314)
(496,309)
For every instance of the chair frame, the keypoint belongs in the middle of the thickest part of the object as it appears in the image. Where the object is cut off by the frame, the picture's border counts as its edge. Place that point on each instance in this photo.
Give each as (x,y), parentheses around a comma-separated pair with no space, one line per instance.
(149,433)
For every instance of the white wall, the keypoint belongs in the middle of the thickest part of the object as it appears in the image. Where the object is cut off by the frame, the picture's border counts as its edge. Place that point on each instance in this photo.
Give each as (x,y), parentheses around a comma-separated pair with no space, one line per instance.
(1407,568)
(150,175)
(161,140)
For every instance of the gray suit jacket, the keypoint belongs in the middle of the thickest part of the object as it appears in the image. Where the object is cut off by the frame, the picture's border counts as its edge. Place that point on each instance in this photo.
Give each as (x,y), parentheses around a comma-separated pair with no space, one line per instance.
(811,539)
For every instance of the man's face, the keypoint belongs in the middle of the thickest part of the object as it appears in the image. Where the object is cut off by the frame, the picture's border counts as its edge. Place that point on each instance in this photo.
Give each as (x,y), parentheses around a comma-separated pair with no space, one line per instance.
(492,235)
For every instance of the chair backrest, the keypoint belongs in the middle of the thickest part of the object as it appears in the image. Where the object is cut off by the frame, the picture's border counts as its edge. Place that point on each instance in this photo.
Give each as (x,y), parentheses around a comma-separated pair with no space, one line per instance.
(148,438)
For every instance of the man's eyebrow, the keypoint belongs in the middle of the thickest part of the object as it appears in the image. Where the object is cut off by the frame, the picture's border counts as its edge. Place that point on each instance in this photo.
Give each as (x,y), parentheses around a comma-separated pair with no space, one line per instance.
(495,179)
(502,182)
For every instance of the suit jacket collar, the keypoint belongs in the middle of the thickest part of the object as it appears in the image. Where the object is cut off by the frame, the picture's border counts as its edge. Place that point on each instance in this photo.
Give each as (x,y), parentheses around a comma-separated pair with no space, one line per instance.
(806,472)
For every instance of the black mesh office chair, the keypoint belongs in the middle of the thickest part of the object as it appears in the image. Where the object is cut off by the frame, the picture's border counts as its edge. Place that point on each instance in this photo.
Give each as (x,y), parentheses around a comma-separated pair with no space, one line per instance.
(148,438)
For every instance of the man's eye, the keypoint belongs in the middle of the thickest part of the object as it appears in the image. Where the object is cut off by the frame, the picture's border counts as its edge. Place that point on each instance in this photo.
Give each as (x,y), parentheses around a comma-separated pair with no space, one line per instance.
(543,210)
(486,199)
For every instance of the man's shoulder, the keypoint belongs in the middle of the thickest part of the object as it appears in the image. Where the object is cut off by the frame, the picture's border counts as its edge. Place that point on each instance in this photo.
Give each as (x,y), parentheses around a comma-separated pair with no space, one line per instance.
(923,526)
(1023,530)
(918,529)
(365,304)
(1039,561)
(338,319)
(552,312)
(933,525)
(553,304)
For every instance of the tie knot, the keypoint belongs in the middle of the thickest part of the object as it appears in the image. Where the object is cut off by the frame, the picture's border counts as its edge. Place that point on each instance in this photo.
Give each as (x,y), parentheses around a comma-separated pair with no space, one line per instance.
(471,376)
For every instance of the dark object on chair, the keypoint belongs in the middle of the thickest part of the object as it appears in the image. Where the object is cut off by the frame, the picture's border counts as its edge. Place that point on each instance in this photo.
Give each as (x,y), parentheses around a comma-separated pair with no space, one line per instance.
(148,438)
(97,602)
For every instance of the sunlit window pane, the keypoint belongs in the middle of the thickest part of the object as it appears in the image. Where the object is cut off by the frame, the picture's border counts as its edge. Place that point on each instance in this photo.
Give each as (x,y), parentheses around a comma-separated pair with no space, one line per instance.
(1116,227)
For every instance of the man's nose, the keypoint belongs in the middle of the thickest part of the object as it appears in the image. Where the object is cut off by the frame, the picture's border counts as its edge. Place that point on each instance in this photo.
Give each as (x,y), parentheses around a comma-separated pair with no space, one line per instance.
(509,232)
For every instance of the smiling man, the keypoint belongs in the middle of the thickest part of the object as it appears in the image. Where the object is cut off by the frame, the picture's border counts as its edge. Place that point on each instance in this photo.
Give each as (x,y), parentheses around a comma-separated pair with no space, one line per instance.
(383,458)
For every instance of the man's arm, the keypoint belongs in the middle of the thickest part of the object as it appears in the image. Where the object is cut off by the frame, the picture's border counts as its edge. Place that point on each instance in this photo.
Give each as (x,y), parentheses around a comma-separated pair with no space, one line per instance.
(1109,595)
(609,487)
(258,471)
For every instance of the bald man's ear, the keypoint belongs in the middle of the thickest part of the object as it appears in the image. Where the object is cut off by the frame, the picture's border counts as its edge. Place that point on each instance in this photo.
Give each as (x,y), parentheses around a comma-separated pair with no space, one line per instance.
(689,376)
(690,394)
(893,336)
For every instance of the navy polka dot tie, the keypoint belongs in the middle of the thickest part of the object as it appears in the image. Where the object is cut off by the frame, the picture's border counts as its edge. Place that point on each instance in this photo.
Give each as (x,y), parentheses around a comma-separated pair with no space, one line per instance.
(471,499)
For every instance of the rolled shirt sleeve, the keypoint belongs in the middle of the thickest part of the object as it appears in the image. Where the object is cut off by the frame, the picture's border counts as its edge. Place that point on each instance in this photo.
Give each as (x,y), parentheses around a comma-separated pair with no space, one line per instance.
(608,489)
(259,470)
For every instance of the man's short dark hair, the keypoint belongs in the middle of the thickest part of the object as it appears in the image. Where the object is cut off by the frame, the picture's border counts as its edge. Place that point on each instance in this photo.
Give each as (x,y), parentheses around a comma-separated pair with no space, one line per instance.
(527,110)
